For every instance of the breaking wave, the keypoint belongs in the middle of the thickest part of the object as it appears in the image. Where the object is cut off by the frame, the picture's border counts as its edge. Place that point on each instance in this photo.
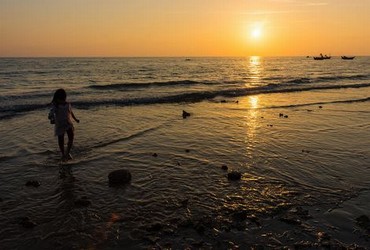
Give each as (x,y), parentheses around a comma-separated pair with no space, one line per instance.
(12,110)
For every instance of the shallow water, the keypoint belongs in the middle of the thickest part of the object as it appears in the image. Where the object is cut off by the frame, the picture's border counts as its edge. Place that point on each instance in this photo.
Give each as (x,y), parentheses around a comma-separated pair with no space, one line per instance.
(316,158)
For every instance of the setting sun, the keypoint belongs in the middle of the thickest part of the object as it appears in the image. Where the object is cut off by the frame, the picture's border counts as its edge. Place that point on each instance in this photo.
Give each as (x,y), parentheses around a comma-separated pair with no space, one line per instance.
(256,32)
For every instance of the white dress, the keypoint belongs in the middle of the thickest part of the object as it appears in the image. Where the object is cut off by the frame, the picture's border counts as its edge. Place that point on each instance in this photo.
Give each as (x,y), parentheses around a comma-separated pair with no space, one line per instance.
(63,118)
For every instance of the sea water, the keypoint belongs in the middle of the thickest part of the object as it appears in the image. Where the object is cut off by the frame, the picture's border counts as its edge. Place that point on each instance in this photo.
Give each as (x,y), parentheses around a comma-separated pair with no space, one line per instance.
(297,130)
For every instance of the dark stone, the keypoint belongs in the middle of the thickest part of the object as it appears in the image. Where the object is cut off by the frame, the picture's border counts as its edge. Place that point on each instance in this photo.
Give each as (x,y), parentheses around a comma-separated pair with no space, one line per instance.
(234,176)
(254,219)
(187,150)
(237,102)
(200,228)
(119,177)
(155,155)
(33,184)
(82,202)
(184,203)
(323,237)
(286,116)
(281,114)
(364,222)
(320,107)
(240,215)
(224,167)
(185,114)
(155,227)
(27,223)
(291,220)
(223,101)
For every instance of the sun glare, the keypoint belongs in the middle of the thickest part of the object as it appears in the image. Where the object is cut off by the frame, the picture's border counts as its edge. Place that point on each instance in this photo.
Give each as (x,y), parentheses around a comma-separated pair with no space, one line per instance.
(256,32)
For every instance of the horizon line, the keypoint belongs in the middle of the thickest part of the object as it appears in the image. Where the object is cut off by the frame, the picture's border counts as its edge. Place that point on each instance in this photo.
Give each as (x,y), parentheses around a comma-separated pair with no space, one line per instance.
(204,56)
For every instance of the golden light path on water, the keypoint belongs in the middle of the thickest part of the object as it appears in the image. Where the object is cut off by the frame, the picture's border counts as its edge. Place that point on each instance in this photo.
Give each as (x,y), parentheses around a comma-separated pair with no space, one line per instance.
(252,117)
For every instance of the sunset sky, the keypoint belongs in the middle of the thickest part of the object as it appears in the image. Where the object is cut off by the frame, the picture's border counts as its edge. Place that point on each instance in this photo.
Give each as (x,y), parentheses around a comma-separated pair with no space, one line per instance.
(184,27)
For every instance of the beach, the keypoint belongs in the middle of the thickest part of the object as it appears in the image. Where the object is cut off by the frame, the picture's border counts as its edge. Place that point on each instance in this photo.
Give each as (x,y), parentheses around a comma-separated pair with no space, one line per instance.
(296,130)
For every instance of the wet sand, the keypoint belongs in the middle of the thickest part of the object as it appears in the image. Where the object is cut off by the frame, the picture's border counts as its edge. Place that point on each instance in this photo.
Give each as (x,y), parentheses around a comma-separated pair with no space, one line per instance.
(304,183)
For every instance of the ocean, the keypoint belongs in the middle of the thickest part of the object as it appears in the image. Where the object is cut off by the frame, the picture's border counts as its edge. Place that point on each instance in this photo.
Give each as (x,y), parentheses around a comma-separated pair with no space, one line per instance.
(295,128)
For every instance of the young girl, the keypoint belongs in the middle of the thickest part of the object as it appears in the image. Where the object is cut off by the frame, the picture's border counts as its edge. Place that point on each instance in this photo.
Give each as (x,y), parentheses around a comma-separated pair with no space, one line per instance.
(61,115)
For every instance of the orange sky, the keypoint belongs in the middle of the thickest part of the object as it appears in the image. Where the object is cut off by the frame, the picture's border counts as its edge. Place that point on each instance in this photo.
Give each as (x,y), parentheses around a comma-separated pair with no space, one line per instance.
(184,27)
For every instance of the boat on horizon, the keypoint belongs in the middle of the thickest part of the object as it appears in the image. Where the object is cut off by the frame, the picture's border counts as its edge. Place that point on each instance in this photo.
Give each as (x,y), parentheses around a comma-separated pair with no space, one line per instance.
(321,57)
(348,57)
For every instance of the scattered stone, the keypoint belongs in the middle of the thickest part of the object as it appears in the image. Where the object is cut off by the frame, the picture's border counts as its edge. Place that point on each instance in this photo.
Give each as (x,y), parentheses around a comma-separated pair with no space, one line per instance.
(33,184)
(184,203)
(153,240)
(295,216)
(281,114)
(82,202)
(286,116)
(240,215)
(224,167)
(323,237)
(155,155)
(309,110)
(237,102)
(301,213)
(270,125)
(292,220)
(320,107)
(154,227)
(253,218)
(27,223)
(364,222)
(187,150)
(185,114)
(119,177)
(303,245)
(262,117)
(223,101)
(200,228)
(234,176)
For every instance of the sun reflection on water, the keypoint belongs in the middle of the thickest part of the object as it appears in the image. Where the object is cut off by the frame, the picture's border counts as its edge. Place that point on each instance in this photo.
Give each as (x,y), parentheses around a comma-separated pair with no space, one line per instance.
(255,70)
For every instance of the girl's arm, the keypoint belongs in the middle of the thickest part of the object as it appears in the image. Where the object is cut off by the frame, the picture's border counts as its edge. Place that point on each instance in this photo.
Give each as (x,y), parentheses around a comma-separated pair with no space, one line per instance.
(74,117)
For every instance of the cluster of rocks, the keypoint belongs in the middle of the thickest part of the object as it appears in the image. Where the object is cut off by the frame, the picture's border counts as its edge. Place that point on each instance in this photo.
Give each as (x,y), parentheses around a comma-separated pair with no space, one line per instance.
(282,115)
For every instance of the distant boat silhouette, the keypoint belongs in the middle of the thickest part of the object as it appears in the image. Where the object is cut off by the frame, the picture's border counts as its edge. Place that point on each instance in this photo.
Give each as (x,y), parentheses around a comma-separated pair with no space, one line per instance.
(348,57)
(321,57)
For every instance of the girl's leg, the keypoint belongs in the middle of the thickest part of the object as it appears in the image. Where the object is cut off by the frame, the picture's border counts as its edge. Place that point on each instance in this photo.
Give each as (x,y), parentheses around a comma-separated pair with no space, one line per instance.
(61,144)
(71,135)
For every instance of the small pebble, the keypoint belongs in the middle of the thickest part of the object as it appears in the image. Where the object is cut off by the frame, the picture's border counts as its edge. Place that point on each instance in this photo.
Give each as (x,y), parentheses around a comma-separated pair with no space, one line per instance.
(155,155)
(33,184)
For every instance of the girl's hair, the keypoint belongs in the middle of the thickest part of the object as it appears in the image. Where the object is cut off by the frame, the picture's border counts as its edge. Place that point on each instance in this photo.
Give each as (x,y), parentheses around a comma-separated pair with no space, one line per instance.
(59,95)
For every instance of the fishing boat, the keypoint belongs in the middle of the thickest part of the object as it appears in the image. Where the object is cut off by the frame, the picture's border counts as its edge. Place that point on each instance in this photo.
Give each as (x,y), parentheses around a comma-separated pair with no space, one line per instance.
(321,57)
(348,57)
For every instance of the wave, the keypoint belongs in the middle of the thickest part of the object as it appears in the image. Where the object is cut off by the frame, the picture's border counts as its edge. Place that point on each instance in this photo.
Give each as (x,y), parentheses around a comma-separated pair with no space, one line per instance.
(10,111)
(367,99)
(343,77)
(305,80)
(145,85)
